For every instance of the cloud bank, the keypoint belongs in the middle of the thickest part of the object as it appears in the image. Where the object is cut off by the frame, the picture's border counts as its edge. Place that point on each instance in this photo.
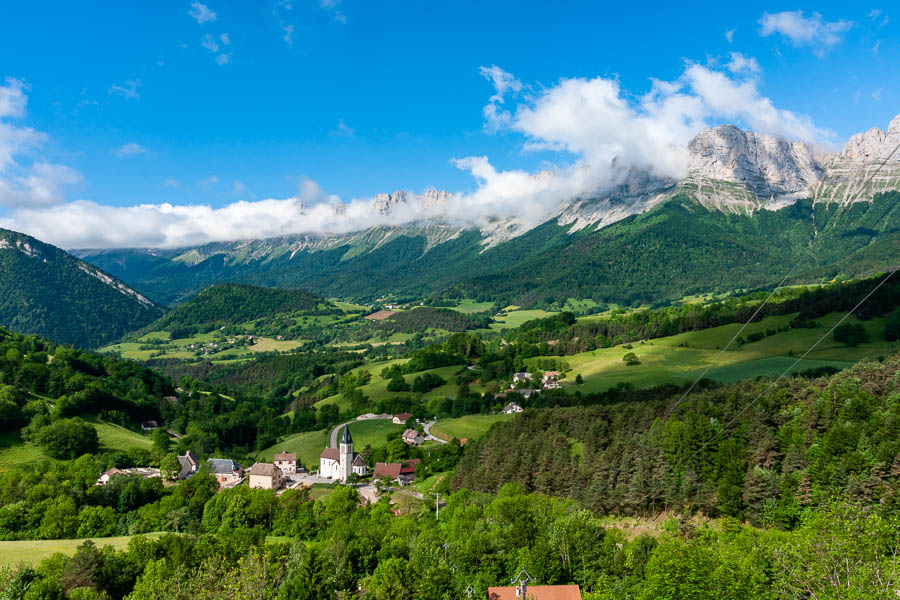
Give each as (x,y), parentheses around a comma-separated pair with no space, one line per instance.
(590,130)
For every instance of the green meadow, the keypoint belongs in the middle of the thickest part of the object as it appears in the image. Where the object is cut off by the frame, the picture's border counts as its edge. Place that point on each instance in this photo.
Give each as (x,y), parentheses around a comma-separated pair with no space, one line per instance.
(31,552)
(470,427)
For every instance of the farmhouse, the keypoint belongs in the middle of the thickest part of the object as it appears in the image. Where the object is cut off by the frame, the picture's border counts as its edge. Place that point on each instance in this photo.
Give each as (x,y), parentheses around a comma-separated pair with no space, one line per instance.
(339,463)
(511,408)
(402,418)
(535,592)
(149,425)
(225,470)
(107,475)
(286,461)
(190,463)
(265,476)
(412,437)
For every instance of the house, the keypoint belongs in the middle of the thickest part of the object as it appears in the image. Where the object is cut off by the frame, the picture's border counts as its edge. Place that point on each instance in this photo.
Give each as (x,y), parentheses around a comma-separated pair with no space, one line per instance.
(190,464)
(551,376)
(172,399)
(401,473)
(402,418)
(412,437)
(265,476)
(522,377)
(552,385)
(527,392)
(149,425)
(535,592)
(550,380)
(511,408)
(339,463)
(107,475)
(225,470)
(286,461)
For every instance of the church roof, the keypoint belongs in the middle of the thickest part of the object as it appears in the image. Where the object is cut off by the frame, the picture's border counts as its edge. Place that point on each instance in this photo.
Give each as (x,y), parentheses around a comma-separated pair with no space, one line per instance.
(358,460)
(331,453)
(345,436)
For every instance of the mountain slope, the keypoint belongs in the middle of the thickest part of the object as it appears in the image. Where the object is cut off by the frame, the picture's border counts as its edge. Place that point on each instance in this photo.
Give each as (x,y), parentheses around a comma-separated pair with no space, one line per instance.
(48,292)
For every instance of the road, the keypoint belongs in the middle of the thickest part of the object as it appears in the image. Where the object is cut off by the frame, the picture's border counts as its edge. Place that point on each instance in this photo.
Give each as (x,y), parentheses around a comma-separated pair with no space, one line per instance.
(427,427)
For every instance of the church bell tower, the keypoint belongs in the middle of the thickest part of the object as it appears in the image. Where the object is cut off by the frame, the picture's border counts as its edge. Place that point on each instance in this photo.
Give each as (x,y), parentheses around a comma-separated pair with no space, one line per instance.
(346,449)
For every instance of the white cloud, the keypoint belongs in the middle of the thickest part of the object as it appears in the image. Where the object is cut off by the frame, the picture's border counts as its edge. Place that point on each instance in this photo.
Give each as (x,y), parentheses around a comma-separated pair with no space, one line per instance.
(130,149)
(210,43)
(876,47)
(332,5)
(288,36)
(813,31)
(340,17)
(238,187)
(729,35)
(26,179)
(223,59)
(876,95)
(495,117)
(743,64)
(599,131)
(874,13)
(201,13)
(171,182)
(343,130)
(225,39)
(127,90)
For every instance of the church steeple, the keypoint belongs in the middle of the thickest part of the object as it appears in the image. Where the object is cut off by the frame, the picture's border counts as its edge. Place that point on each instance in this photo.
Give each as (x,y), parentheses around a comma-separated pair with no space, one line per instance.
(346,453)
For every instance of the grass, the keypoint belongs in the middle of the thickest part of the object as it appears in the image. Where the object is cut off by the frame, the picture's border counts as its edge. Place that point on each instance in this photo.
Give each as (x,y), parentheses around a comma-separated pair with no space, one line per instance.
(427,484)
(469,306)
(308,447)
(376,389)
(15,452)
(515,318)
(469,427)
(683,357)
(372,432)
(31,552)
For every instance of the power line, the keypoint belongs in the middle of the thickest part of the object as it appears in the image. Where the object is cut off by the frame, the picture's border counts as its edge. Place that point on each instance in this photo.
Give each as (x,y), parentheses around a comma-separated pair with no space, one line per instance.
(786,371)
(833,223)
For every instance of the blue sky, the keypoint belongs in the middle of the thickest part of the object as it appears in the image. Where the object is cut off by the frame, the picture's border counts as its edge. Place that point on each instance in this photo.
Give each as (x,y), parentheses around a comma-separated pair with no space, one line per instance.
(188,103)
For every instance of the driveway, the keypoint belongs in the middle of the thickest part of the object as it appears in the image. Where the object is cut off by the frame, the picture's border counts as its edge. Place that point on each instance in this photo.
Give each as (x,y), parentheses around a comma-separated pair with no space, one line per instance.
(428,437)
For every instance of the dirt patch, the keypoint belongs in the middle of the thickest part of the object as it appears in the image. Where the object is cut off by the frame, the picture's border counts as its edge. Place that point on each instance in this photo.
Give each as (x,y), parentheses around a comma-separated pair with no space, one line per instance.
(380,315)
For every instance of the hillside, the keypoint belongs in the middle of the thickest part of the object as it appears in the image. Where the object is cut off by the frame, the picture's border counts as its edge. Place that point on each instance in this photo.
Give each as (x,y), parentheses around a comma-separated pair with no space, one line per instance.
(741,450)
(48,292)
(677,248)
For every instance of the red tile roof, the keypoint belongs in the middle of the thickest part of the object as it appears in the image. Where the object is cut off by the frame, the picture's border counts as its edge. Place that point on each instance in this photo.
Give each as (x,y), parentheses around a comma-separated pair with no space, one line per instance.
(332,453)
(537,592)
(403,416)
(286,456)
(389,470)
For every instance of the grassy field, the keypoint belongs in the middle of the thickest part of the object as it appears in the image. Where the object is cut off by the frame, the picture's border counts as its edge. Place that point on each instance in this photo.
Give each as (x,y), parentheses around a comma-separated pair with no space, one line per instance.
(376,389)
(683,357)
(308,447)
(31,552)
(469,427)
(514,318)
(470,306)
(15,452)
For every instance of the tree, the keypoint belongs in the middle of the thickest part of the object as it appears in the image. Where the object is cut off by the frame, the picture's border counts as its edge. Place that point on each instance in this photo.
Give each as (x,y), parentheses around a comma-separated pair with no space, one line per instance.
(851,334)
(892,326)
(169,466)
(68,438)
(579,379)
(631,359)
(160,440)
(397,384)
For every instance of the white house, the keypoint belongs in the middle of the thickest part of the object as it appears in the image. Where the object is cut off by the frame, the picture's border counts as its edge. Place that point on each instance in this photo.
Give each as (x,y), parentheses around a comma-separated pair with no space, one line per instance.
(522,377)
(412,437)
(401,418)
(107,475)
(265,475)
(339,463)
(511,408)
(286,461)
(225,470)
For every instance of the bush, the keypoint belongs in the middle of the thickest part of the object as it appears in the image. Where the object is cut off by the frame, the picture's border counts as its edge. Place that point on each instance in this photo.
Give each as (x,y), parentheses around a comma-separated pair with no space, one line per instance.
(851,334)
(631,359)
(398,384)
(892,327)
(68,438)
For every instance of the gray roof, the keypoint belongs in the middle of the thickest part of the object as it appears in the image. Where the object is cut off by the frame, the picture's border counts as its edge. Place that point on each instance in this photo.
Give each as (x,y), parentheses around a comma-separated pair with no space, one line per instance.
(345,436)
(222,465)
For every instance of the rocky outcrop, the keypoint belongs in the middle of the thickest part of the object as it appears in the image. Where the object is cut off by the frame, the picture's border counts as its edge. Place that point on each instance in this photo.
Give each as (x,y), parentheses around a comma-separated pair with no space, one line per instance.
(869,164)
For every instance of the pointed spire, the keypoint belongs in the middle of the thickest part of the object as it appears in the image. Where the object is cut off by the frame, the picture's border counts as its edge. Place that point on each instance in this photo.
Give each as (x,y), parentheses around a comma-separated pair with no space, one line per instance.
(345,436)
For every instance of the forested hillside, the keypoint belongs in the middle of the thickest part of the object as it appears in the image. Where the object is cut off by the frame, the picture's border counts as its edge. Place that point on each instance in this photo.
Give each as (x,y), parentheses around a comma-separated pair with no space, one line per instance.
(746,450)
(676,249)
(45,291)
(230,303)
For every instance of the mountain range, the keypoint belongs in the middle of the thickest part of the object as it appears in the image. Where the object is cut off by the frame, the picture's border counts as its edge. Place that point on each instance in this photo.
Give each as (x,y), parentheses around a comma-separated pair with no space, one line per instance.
(750,205)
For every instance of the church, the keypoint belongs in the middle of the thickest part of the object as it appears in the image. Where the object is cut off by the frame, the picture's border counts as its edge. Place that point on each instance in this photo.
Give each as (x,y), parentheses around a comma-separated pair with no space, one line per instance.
(340,463)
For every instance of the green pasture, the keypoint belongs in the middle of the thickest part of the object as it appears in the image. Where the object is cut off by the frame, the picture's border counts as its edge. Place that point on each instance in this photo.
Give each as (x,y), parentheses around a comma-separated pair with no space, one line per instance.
(31,552)
(469,427)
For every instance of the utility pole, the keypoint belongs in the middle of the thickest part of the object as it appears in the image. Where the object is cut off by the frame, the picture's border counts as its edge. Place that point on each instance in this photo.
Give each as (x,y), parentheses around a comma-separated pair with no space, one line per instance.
(437,505)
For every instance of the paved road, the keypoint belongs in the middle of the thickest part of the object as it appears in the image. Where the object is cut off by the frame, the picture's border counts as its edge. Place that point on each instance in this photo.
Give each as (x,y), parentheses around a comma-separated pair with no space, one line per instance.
(428,436)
